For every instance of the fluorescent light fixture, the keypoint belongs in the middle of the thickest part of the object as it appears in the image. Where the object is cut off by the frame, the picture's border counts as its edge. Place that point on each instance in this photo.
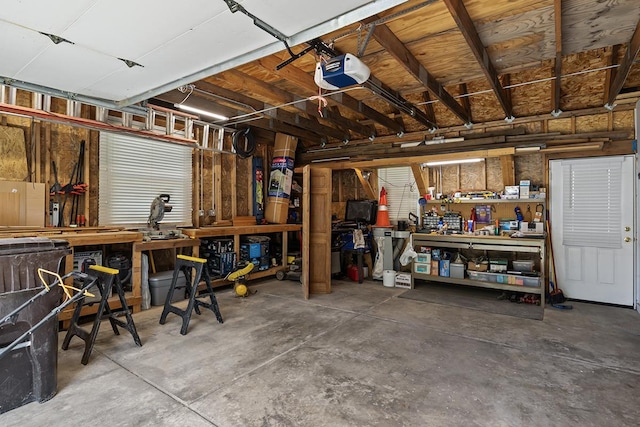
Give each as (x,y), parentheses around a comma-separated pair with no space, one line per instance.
(334,159)
(528,149)
(453,162)
(200,112)
(410,144)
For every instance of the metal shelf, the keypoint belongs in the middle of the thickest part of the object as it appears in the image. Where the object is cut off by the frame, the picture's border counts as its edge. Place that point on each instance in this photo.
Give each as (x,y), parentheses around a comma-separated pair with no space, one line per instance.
(486,243)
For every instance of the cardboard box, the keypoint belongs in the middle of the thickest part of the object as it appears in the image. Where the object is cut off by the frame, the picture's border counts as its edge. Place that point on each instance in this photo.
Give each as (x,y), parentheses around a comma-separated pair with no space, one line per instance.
(422,268)
(445,268)
(403,280)
(281,179)
(422,258)
(23,203)
(435,267)
(480,267)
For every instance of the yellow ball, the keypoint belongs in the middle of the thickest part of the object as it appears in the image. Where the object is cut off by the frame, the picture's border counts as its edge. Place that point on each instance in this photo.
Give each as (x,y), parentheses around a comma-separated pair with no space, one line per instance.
(241,290)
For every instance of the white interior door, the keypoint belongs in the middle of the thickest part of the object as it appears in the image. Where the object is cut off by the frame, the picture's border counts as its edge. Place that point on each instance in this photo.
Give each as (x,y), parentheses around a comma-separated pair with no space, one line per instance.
(592,224)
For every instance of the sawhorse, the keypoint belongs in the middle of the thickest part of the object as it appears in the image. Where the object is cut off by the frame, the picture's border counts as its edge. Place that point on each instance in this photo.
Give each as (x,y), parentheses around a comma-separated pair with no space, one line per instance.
(187,263)
(107,281)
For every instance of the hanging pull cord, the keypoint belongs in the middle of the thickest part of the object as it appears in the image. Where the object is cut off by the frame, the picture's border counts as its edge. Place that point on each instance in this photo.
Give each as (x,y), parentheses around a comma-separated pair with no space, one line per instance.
(322,101)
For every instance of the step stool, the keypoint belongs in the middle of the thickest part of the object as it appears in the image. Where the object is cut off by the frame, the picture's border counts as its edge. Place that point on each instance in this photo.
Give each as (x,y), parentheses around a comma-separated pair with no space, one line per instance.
(107,280)
(187,263)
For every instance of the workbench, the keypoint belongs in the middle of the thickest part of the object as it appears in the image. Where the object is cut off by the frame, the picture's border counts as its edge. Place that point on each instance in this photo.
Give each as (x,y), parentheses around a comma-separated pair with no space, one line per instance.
(489,245)
(236,232)
(175,245)
(79,237)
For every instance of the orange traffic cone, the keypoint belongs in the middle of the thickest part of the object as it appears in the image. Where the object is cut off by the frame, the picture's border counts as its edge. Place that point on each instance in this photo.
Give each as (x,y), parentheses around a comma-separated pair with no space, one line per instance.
(383,211)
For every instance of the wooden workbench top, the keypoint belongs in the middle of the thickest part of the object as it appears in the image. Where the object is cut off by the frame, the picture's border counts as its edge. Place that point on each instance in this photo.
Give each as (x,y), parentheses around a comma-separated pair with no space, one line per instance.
(240,230)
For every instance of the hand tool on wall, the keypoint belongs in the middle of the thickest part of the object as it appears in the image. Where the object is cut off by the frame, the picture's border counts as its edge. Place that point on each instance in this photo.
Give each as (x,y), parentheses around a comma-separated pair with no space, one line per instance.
(539,211)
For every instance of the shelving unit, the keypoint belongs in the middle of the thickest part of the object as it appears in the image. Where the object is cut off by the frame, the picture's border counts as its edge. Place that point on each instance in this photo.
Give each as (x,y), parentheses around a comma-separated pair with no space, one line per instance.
(236,232)
(516,246)
(500,208)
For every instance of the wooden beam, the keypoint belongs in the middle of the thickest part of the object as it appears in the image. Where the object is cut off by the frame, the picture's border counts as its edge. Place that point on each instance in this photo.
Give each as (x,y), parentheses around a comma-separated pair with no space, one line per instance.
(625,66)
(466,104)
(305,123)
(306,81)
(403,161)
(508,170)
(428,108)
(360,107)
(419,177)
(366,185)
(404,106)
(220,94)
(399,51)
(468,29)
(557,11)
(612,60)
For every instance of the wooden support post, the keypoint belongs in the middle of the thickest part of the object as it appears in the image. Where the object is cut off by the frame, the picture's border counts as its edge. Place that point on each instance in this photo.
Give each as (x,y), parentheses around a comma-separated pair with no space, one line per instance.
(418,175)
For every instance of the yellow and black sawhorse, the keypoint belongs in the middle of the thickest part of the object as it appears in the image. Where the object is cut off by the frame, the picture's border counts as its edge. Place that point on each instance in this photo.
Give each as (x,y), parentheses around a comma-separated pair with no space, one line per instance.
(187,264)
(107,281)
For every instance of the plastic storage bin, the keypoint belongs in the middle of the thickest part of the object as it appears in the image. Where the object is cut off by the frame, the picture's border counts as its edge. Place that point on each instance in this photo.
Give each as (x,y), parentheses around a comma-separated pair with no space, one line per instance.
(159,284)
(524,265)
(456,271)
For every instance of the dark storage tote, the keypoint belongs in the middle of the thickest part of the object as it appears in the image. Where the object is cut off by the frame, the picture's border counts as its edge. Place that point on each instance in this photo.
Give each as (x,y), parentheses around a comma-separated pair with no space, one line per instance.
(29,372)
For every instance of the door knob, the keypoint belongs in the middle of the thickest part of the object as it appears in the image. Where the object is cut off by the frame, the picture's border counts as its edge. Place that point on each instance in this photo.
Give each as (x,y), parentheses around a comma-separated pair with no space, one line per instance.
(627,239)
(627,229)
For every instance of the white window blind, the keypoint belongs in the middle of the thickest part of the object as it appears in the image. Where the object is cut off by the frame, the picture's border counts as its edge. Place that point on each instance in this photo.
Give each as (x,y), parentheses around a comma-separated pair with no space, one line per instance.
(402,191)
(134,171)
(591,213)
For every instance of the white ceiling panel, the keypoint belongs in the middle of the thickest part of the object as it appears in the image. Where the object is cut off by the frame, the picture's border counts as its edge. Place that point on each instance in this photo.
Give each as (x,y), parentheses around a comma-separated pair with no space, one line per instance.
(115,27)
(51,17)
(24,47)
(176,43)
(68,67)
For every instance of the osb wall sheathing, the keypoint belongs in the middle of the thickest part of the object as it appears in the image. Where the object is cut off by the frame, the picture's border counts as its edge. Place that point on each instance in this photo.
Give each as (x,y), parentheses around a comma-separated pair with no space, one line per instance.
(13,154)
(593,123)
(529,167)
(244,180)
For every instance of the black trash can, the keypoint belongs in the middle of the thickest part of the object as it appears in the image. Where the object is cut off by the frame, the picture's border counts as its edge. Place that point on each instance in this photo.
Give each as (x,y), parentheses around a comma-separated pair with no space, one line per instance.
(29,371)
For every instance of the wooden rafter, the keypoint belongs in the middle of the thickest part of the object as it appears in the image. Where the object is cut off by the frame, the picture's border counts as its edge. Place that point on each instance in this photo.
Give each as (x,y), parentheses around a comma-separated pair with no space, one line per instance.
(465,100)
(408,108)
(625,66)
(428,107)
(612,61)
(557,12)
(305,81)
(399,51)
(468,29)
(272,92)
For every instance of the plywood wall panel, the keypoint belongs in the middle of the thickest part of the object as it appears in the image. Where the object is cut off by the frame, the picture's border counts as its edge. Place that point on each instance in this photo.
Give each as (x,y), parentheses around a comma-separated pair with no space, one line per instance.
(559,125)
(13,154)
(494,174)
(592,123)
(472,176)
(529,167)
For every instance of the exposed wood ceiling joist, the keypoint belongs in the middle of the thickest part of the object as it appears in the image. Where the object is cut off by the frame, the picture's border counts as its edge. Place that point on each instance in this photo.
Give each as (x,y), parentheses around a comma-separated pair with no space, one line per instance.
(557,18)
(399,51)
(625,66)
(468,29)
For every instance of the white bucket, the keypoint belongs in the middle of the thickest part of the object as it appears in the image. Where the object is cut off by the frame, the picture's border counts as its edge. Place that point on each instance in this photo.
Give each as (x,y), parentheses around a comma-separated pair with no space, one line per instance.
(389,278)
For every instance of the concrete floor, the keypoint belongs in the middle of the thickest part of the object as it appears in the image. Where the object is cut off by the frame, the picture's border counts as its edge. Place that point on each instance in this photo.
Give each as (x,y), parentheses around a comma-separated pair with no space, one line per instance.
(359,356)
